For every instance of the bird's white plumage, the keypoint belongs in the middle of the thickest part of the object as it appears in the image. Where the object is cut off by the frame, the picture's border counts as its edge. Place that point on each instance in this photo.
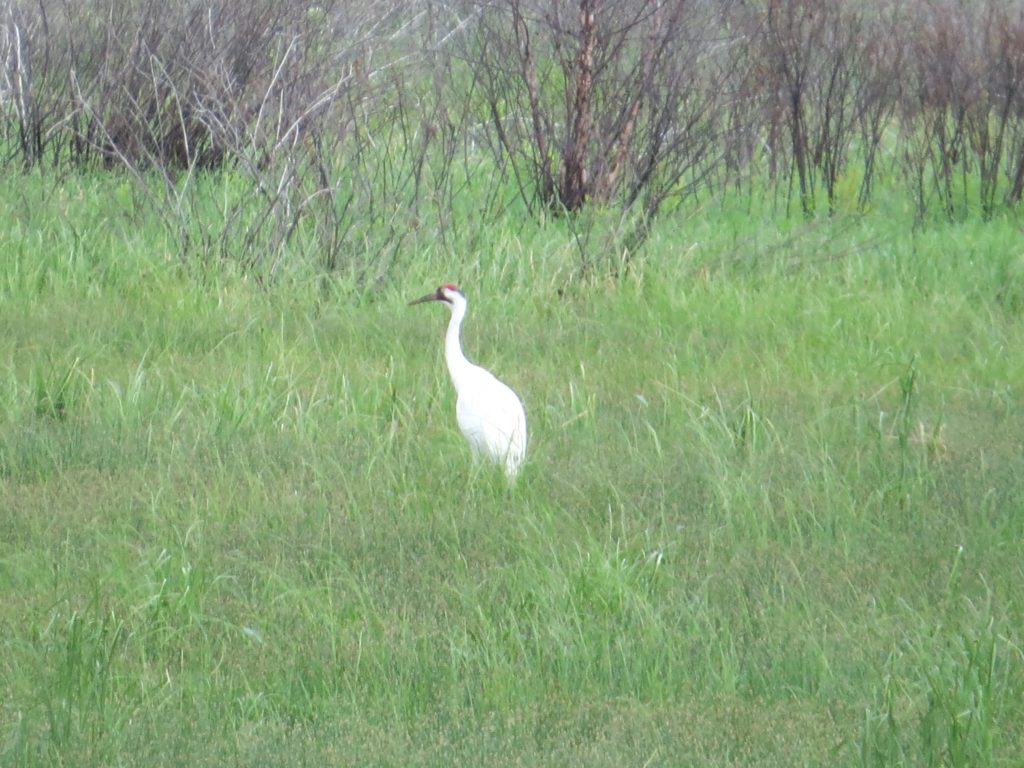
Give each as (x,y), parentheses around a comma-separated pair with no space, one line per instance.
(492,419)
(490,415)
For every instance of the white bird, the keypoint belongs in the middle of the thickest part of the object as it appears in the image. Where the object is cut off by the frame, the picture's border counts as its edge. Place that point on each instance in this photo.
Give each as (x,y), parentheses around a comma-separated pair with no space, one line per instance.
(489,413)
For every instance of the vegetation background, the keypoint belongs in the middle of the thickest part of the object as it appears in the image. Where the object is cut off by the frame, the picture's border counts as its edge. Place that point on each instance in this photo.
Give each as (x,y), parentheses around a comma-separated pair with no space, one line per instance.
(756,269)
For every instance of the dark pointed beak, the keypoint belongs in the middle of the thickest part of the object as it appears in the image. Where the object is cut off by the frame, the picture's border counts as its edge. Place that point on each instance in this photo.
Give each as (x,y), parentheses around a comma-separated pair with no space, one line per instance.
(435,296)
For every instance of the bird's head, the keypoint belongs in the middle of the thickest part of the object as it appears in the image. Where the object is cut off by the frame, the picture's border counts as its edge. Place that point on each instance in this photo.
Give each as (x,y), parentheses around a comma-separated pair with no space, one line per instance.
(448,293)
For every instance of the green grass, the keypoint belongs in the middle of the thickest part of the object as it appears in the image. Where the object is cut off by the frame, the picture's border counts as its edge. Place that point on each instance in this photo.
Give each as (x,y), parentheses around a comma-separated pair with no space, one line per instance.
(772,513)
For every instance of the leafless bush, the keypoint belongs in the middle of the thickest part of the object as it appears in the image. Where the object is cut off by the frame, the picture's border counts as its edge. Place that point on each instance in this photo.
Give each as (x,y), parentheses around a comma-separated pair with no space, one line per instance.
(840,93)
(945,88)
(962,120)
(600,101)
(312,111)
(340,126)
(792,35)
(882,61)
(812,62)
(995,116)
(36,61)
(1006,77)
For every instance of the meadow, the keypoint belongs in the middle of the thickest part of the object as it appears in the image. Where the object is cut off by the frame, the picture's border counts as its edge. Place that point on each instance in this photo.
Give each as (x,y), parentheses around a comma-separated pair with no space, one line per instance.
(771,516)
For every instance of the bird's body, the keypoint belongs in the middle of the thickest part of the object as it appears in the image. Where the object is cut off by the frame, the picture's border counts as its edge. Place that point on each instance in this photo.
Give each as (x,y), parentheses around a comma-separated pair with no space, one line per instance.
(490,415)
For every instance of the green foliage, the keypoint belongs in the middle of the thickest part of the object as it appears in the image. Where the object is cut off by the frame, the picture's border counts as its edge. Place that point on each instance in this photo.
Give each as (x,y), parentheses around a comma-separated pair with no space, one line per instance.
(770,514)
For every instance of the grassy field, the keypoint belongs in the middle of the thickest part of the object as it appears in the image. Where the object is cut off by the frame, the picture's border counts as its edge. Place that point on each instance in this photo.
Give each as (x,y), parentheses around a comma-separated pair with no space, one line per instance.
(773,513)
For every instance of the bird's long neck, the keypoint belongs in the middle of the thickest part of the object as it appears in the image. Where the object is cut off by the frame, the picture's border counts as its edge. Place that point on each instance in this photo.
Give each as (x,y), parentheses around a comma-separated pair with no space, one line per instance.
(458,365)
